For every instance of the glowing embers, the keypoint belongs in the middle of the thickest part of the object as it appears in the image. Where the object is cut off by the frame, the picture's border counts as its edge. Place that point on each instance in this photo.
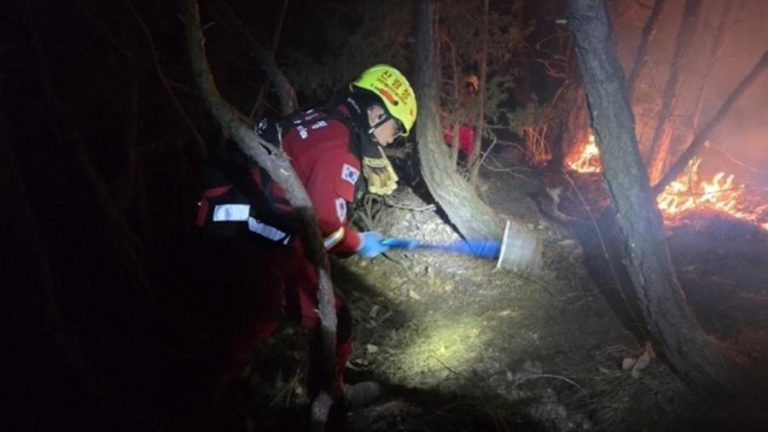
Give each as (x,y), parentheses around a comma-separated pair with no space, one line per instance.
(689,193)
(586,159)
(449,345)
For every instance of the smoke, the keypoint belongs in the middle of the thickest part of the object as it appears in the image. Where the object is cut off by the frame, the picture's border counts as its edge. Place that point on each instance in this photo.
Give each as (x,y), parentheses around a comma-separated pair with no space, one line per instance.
(739,145)
(743,136)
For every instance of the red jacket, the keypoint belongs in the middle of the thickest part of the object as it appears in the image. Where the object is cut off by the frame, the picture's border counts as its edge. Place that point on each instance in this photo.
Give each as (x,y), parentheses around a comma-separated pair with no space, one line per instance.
(319,149)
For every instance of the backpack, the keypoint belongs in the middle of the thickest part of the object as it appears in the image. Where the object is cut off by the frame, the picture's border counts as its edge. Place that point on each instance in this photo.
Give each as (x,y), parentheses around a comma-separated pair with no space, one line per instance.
(273,129)
(232,205)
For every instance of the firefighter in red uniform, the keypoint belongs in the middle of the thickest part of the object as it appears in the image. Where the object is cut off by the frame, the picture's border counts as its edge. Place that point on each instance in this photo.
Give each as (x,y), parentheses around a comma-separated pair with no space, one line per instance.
(329,149)
(466,129)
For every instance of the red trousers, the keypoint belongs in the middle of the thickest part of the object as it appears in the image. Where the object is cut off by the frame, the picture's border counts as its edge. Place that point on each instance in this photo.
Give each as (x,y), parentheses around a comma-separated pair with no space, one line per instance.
(262,286)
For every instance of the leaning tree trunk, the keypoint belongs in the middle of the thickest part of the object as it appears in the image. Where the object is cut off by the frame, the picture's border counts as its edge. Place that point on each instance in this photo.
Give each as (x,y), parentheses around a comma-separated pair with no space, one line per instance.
(278,166)
(455,195)
(677,335)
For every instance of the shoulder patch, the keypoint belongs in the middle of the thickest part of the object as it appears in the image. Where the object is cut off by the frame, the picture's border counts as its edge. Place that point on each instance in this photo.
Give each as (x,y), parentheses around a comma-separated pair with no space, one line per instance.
(341,209)
(350,173)
(302,132)
(319,124)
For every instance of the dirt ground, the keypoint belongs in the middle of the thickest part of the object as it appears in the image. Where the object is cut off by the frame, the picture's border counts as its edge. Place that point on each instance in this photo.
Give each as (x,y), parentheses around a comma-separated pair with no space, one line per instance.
(462,346)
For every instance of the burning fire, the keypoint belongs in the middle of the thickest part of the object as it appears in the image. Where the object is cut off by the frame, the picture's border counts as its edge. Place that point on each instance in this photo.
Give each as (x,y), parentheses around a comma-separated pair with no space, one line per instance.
(687,192)
(587,160)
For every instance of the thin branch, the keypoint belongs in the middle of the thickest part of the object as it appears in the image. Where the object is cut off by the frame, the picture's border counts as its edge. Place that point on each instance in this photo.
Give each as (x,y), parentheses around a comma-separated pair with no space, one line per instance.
(703,135)
(288,101)
(728,156)
(638,320)
(651,24)
(201,148)
(659,143)
(428,207)
(562,378)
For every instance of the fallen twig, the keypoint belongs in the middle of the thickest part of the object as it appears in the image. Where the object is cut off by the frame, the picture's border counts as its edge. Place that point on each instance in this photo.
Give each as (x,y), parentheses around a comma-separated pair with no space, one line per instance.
(562,378)
(604,248)
(428,207)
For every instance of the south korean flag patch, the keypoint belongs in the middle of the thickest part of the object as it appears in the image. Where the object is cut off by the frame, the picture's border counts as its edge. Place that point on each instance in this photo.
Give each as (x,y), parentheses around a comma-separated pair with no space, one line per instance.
(341,209)
(350,174)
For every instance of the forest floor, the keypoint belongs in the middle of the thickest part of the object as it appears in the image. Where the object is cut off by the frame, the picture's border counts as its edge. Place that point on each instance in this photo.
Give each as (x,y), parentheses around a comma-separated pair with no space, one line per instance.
(462,346)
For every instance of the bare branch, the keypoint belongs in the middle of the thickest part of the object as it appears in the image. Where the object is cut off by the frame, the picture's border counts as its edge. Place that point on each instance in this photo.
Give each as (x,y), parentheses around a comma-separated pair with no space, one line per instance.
(651,24)
(201,148)
(660,143)
(703,135)
(285,92)
(279,168)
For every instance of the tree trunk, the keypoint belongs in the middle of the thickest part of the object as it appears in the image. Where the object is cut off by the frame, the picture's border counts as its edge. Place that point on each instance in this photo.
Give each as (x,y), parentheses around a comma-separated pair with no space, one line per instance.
(279,168)
(523,82)
(651,24)
(718,42)
(477,145)
(457,113)
(466,211)
(677,336)
(658,152)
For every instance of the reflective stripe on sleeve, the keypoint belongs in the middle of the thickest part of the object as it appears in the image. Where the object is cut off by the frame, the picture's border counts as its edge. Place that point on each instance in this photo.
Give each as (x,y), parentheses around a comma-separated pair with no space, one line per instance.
(334,239)
(268,231)
(231,212)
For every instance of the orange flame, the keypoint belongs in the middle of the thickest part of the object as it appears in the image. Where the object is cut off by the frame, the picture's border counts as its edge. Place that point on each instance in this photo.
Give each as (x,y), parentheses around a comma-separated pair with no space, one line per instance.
(687,192)
(586,160)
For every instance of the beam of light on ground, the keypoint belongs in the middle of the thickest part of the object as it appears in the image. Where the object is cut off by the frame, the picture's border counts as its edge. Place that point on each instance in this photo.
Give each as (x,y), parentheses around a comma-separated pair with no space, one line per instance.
(448,346)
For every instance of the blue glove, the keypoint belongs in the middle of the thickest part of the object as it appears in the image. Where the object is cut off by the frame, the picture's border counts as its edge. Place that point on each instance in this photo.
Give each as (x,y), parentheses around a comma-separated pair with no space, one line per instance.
(371,244)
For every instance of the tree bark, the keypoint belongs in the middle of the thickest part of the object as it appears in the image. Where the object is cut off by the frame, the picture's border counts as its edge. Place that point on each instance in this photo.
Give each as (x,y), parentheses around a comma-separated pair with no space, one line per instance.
(677,336)
(475,159)
(458,112)
(466,211)
(702,136)
(277,164)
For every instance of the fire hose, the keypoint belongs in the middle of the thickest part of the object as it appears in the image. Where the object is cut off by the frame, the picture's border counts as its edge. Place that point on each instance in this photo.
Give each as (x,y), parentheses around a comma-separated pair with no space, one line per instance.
(519,249)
